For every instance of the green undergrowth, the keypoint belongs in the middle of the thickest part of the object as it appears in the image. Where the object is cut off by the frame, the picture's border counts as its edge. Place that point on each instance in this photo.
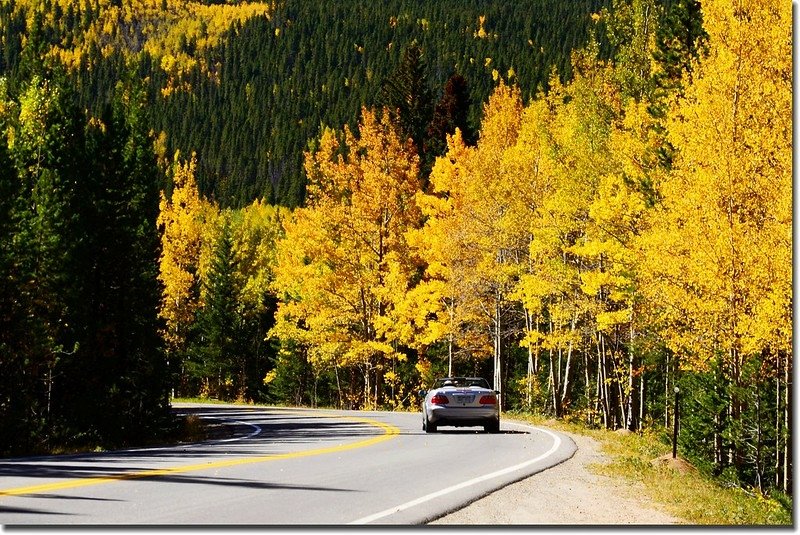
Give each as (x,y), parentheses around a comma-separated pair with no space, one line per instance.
(676,486)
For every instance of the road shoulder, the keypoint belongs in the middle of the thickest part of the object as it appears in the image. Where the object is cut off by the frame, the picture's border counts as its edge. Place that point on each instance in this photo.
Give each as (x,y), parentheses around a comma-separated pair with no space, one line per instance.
(567,494)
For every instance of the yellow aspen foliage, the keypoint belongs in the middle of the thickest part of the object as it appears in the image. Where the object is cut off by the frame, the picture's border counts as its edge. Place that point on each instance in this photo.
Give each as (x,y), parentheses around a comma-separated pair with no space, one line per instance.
(143,25)
(471,241)
(344,258)
(719,256)
(444,304)
(256,230)
(180,222)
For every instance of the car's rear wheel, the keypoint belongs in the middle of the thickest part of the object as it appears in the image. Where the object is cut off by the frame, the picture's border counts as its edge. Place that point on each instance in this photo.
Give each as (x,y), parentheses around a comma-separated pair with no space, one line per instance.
(492,427)
(427,426)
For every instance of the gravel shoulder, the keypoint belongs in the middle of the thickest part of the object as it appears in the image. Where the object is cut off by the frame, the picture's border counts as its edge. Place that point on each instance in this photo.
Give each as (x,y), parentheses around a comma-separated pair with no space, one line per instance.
(567,494)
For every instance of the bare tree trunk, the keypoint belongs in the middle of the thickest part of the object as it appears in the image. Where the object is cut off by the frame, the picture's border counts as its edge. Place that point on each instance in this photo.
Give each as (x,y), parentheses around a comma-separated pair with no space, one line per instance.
(598,406)
(498,383)
(787,426)
(450,342)
(666,393)
(759,453)
(529,381)
(555,375)
(450,355)
(620,393)
(778,427)
(338,384)
(529,326)
(633,410)
(565,387)
(630,417)
(587,385)
(602,382)
(366,386)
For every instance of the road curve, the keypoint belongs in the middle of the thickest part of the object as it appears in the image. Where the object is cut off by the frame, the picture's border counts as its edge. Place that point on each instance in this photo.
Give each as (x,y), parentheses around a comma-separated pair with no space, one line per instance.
(281,467)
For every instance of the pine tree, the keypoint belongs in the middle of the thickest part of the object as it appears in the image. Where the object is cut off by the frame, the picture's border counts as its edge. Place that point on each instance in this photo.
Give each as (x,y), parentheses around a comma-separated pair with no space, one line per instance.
(219,329)
(408,97)
(48,153)
(451,112)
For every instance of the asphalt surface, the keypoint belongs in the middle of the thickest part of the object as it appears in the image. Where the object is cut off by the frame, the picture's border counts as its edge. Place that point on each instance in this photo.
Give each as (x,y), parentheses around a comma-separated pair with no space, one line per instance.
(281,467)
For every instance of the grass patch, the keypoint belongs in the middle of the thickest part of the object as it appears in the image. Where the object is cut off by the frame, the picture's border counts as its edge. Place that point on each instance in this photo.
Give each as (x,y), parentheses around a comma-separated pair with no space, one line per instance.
(681,490)
(209,401)
(194,430)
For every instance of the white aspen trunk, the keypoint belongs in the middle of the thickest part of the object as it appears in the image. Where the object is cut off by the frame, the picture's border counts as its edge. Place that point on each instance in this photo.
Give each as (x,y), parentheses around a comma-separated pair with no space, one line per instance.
(666,393)
(366,385)
(641,402)
(602,383)
(451,310)
(606,392)
(587,385)
(787,429)
(529,382)
(565,386)
(498,383)
(450,355)
(599,388)
(338,383)
(631,417)
(529,385)
(778,430)
(555,376)
(621,401)
(550,385)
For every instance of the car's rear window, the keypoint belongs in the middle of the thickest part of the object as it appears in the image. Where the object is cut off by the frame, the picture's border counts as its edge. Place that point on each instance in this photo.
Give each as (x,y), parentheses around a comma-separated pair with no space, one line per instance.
(462,382)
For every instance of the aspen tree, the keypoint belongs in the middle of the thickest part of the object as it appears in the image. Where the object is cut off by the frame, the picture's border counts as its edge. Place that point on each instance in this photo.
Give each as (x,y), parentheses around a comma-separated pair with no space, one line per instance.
(180,221)
(719,253)
(345,258)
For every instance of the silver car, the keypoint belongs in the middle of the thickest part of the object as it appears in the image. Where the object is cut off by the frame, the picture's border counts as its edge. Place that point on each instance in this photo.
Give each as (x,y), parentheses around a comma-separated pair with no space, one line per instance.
(460,401)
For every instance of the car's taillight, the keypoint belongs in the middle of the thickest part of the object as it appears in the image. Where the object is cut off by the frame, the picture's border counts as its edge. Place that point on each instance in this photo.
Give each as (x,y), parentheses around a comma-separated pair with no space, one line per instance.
(488,400)
(439,399)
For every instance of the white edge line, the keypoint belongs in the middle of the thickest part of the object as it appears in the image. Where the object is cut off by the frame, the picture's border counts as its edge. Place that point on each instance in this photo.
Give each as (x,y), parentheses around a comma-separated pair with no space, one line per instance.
(257,430)
(234,439)
(469,483)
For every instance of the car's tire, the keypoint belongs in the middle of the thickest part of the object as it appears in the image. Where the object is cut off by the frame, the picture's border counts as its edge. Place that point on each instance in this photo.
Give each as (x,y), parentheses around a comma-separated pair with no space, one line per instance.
(492,427)
(428,427)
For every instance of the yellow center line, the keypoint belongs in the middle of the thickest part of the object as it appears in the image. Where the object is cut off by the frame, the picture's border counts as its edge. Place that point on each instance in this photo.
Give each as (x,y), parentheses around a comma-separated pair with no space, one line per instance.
(390,431)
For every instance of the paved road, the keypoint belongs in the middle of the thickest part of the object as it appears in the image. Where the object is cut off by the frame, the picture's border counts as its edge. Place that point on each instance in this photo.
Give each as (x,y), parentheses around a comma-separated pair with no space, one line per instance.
(282,466)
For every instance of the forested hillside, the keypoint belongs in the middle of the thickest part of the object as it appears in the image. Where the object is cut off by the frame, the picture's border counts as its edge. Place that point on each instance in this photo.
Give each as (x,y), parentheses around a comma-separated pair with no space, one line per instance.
(246,86)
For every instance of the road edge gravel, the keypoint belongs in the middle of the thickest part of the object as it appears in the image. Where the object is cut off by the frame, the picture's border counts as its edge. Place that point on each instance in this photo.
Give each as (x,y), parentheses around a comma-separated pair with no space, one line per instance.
(569,493)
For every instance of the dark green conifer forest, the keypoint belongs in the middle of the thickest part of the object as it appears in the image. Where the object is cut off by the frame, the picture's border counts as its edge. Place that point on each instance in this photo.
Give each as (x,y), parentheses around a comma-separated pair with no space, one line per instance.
(275,80)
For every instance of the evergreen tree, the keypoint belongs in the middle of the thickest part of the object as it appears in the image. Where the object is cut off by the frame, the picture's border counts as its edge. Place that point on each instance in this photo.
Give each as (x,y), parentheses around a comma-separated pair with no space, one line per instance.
(124,266)
(451,112)
(15,328)
(80,334)
(408,97)
(219,327)
(47,154)
(680,40)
